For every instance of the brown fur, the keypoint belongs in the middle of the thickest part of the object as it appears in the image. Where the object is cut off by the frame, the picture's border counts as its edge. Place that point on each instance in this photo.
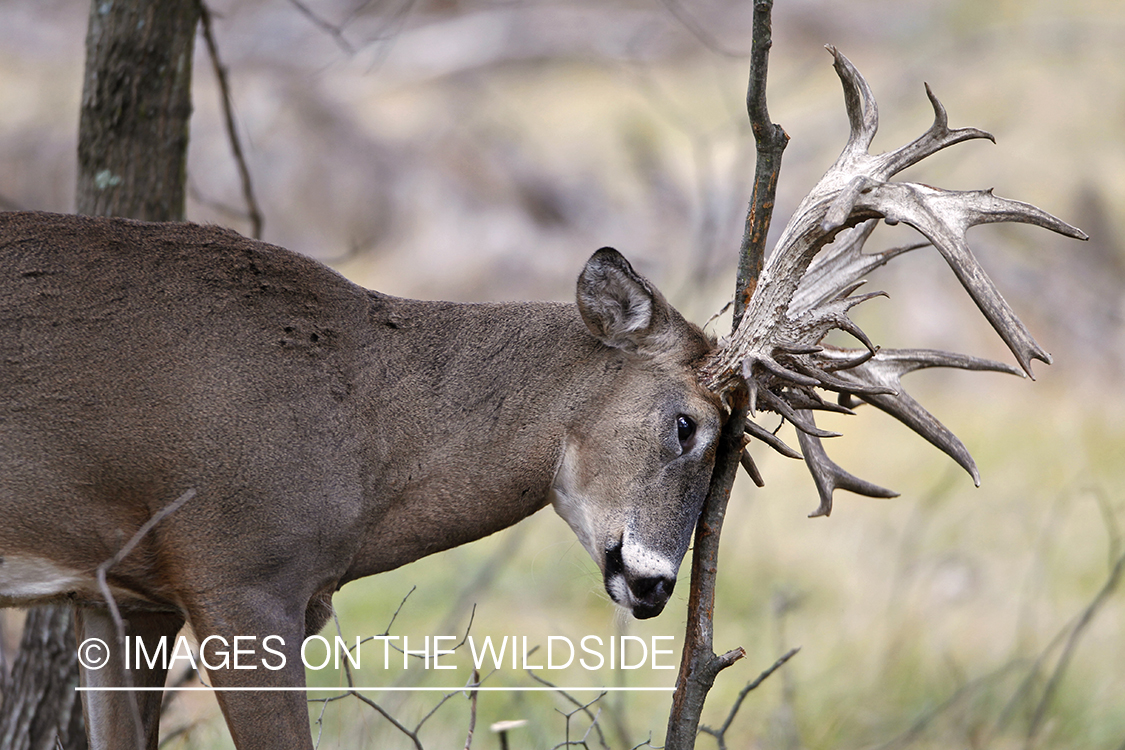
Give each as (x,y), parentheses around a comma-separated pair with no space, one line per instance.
(330,432)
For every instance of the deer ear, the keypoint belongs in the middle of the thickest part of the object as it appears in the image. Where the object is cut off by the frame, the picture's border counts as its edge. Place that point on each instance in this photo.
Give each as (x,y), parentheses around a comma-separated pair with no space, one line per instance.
(619,306)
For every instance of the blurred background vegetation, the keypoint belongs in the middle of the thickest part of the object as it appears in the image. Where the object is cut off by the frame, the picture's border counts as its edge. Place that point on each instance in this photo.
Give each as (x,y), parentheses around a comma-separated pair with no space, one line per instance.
(482,149)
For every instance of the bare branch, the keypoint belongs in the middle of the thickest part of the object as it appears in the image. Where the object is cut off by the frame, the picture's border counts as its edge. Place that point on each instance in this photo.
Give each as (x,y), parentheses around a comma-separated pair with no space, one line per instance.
(584,707)
(111,603)
(720,733)
(770,141)
(474,680)
(699,665)
(336,32)
(394,722)
(254,213)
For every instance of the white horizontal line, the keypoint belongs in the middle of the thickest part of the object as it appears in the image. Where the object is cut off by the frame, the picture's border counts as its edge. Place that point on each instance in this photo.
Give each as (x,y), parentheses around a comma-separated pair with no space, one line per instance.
(377,689)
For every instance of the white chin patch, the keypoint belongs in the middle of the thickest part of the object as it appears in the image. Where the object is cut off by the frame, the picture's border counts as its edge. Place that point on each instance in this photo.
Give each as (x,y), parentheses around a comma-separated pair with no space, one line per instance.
(619,592)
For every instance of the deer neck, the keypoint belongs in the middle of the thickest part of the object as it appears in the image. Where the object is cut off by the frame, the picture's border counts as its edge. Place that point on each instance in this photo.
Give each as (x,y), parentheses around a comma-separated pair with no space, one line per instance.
(467,410)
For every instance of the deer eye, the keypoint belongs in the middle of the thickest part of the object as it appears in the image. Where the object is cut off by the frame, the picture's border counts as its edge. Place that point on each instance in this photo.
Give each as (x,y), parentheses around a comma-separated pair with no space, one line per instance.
(685,428)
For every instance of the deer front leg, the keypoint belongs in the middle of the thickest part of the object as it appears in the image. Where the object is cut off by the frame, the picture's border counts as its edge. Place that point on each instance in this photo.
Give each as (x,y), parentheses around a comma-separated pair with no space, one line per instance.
(257,644)
(110,721)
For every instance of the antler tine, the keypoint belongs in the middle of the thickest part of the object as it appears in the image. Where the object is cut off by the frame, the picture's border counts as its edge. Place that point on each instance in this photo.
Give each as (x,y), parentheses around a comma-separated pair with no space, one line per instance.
(859,101)
(829,476)
(943,216)
(886,369)
(803,293)
(843,263)
(756,430)
(939,136)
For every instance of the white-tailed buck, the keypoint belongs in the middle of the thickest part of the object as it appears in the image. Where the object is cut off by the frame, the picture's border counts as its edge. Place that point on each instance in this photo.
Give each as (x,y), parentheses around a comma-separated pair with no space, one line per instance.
(329,432)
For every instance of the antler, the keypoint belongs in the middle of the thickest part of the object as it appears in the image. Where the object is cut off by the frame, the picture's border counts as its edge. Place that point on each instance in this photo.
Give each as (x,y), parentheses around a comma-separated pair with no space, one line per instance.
(803,293)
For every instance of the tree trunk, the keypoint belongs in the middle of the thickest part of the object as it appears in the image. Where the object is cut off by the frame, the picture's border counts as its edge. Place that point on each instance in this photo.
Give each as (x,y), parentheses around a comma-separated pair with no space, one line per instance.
(132,157)
(136,104)
(41,703)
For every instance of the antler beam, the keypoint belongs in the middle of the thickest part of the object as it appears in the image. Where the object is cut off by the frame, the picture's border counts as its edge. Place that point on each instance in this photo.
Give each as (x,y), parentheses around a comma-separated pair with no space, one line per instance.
(806,290)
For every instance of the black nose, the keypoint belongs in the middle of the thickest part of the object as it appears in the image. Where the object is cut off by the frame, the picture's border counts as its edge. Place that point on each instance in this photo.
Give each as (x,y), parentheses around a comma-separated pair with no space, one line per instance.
(652,593)
(652,588)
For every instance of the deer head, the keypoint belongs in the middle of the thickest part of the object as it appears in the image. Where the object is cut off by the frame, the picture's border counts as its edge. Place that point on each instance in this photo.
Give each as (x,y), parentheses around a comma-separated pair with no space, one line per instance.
(809,284)
(635,469)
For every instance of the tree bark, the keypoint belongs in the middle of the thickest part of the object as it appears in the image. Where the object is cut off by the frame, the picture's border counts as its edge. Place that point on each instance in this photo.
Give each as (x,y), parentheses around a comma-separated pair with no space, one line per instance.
(132,161)
(41,702)
(136,105)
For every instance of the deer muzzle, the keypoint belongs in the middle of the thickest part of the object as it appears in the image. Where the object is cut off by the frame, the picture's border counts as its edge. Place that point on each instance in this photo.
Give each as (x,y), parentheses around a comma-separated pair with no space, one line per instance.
(638,579)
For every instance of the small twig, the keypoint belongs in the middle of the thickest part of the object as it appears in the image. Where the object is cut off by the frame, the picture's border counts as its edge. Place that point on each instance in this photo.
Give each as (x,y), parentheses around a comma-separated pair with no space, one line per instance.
(142,531)
(336,32)
(320,722)
(719,313)
(475,681)
(485,575)
(1063,662)
(401,604)
(387,631)
(394,722)
(720,733)
(580,706)
(411,734)
(585,708)
(471,684)
(389,34)
(118,622)
(252,208)
(706,38)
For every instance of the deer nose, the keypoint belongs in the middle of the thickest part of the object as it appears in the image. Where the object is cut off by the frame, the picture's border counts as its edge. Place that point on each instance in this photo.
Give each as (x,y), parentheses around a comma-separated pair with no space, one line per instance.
(653,588)
(643,591)
(651,594)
